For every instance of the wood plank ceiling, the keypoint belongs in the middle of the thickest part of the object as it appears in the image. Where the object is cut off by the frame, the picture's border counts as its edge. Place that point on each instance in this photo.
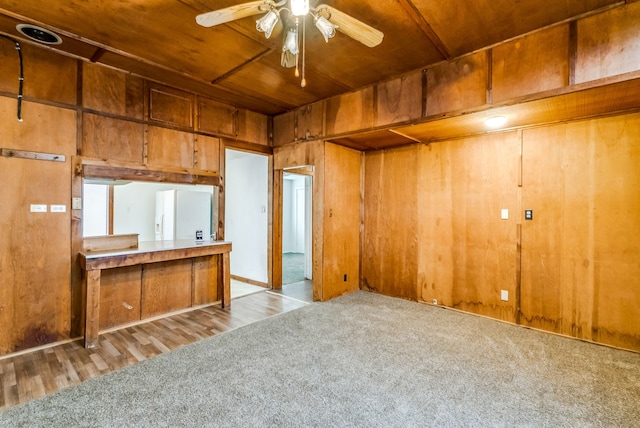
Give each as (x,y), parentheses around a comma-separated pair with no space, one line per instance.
(160,40)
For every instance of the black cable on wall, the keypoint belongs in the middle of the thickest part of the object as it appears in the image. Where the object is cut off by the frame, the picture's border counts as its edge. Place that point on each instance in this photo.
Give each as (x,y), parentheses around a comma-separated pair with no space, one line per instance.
(21,78)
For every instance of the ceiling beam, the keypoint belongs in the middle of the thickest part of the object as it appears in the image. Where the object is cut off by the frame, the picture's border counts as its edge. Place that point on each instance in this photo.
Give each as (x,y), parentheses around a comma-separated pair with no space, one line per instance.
(415,14)
(241,66)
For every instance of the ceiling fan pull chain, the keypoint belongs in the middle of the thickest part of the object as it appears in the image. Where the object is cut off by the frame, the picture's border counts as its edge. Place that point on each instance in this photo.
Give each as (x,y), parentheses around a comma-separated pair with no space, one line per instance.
(303,82)
(297,72)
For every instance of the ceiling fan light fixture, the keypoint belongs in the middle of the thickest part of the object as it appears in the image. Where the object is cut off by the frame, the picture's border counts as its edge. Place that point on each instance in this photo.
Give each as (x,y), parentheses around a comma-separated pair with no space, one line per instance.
(291,41)
(267,23)
(299,7)
(325,27)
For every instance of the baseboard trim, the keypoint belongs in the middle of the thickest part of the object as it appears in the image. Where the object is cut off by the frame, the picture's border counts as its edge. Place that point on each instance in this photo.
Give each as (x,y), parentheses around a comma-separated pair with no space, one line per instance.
(250,281)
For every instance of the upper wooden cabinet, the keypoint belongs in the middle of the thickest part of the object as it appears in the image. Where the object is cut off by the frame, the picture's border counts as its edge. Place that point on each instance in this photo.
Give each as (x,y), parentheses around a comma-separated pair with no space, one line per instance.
(112,139)
(111,91)
(216,118)
(171,106)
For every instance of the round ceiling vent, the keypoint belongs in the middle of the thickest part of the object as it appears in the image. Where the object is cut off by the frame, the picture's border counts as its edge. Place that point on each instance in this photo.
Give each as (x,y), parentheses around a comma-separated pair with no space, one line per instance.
(39,34)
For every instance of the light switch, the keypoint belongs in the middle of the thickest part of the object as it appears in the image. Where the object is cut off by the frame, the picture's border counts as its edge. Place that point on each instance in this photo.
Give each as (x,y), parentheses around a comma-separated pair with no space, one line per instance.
(76,203)
(38,208)
(504,214)
(504,295)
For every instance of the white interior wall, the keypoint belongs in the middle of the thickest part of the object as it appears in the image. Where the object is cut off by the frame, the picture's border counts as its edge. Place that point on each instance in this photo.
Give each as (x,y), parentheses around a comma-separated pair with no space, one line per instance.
(95,216)
(293,214)
(246,220)
(288,237)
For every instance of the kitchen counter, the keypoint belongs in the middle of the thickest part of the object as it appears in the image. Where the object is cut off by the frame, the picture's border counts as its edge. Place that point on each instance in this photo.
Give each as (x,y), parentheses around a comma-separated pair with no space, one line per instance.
(147,252)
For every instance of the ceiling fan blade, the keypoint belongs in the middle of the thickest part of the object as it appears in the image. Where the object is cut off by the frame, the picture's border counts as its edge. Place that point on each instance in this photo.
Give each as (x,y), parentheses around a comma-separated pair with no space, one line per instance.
(232,13)
(352,27)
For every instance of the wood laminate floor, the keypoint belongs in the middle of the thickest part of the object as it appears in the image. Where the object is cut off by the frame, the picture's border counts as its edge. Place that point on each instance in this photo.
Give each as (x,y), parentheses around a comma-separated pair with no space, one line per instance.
(34,374)
(302,290)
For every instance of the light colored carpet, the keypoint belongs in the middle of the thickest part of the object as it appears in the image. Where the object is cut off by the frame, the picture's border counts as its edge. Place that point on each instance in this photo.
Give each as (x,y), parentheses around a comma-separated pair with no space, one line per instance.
(360,360)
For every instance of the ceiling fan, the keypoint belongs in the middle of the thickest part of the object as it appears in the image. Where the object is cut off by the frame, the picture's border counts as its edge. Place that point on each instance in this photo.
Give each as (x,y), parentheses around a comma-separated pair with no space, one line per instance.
(327,20)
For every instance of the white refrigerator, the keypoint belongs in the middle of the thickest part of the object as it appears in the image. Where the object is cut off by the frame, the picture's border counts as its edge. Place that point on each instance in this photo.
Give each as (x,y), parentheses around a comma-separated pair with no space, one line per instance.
(180,213)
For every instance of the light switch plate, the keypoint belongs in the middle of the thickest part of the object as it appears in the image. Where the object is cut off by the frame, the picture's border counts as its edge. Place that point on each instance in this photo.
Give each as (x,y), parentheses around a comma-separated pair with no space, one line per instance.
(504,214)
(58,208)
(38,208)
(76,203)
(504,295)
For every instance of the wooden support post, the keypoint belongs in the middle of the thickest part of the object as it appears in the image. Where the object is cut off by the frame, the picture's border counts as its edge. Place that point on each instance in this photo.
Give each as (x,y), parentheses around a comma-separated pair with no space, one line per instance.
(92,316)
(225,278)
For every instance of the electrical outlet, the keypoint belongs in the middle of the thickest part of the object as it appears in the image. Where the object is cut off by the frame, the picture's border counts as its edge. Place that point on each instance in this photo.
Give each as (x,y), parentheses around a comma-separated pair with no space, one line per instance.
(434,301)
(504,214)
(58,208)
(76,203)
(504,295)
(38,208)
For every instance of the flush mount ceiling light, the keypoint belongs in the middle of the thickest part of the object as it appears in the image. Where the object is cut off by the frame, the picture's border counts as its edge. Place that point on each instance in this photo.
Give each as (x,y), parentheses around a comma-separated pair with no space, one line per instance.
(326,19)
(39,34)
(496,122)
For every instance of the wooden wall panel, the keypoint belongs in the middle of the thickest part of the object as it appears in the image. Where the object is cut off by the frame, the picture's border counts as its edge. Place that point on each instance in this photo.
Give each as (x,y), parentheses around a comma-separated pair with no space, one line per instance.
(48,76)
(310,121)
(400,100)
(390,242)
(217,118)
(111,91)
(557,277)
(166,287)
(34,262)
(252,127)
(207,153)
(112,139)
(458,84)
(167,147)
(171,106)
(300,154)
(580,252)
(608,43)
(468,254)
(531,64)
(350,112)
(205,277)
(436,258)
(120,296)
(616,227)
(341,218)
(284,129)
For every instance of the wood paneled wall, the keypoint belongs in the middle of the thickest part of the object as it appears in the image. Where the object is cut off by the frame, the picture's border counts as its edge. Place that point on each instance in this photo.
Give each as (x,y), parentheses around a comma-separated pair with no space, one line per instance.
(570,56)
(341,217)
(34,248)
(74,108)
(433,226)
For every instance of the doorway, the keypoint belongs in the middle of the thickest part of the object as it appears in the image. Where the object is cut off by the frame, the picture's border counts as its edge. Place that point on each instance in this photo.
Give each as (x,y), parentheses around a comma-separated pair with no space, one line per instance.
(296,237)
(246,220)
